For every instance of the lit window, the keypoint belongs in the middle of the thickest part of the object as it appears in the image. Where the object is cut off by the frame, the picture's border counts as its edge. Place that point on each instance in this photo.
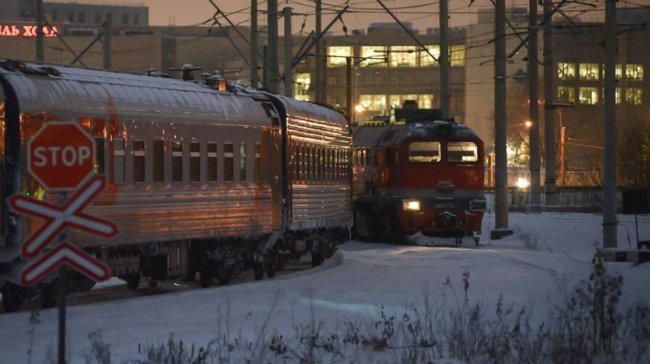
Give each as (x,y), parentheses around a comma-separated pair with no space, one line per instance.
(373,56)
(425,101)
(426,59)
(588,96)
(589,71)
(373,102)
(336,55)
(633,96)
(634,72)
(424,152)
(462,152)
(301,86)
(402,56)
(457,56)
(566,94)
(566,71)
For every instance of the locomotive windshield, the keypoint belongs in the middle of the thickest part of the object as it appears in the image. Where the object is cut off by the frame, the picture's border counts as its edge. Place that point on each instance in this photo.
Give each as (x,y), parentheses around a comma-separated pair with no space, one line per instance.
(462,152)
(424,152)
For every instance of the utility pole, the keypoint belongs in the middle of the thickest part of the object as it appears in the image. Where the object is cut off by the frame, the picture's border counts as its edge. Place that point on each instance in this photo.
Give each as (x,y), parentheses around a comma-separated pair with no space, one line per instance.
(254,61)
(549,120)
(272,55)
(609,153)
(40,42)
(319,53)
(533,111)
(444,59)
(501,165)
(288,58)
(107,45)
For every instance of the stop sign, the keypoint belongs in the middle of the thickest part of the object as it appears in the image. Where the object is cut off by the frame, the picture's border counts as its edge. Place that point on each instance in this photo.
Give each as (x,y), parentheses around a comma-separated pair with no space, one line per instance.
(60,155)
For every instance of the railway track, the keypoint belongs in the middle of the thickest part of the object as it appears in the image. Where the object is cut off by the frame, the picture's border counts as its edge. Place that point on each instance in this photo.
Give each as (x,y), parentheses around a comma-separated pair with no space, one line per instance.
(120,291)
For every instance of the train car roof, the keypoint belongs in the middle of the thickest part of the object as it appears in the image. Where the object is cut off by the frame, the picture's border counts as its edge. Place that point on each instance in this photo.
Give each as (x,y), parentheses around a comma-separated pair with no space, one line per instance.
(370,136)
(69,92)
(308,110)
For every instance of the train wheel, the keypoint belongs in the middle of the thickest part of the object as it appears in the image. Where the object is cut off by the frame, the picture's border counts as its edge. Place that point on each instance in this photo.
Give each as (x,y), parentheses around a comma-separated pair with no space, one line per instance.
(47,295)
(224,275)
(132,281)
(12,297)
(258,270)
(206,278)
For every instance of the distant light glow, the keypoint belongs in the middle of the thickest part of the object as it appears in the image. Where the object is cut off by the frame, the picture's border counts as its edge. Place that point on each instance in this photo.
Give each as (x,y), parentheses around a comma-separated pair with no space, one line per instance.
(412,205)
(522,182)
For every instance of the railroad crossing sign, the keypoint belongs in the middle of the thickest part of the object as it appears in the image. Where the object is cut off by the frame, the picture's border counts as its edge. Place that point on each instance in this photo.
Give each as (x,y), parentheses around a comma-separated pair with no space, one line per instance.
(60,155)
(64,253)
(55,219)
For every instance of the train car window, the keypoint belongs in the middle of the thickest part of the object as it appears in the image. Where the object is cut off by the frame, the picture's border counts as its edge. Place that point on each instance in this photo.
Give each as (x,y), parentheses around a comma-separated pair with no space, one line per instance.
(242,161)
(301,163)
(258,166)
(177,161)
(424,152)
(118,163)
(195,162)
(228,161)
(100,158)
(212,162)
(462,152)
(158,161)
(138,161)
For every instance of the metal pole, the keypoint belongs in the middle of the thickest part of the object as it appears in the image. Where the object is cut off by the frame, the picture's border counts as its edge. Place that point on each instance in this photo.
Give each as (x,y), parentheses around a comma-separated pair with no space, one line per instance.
(288,58)
(254,61)
(501,178)
(107,45)
(609,153)
(40,42)
(61,294)
(533,111)
(444,59)
(319,53)
(348,87)
(272,56)
(549,122)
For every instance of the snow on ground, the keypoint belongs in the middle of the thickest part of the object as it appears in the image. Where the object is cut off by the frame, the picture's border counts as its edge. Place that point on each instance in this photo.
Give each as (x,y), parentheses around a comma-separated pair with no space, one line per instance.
(547,251)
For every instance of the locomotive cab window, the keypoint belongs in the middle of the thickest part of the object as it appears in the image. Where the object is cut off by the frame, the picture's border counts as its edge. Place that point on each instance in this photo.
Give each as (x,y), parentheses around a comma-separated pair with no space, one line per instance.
(462,152)
(424,152)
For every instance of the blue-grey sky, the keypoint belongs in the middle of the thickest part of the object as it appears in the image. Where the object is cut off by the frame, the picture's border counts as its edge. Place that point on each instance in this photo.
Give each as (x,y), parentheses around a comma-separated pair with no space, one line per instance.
(421,13)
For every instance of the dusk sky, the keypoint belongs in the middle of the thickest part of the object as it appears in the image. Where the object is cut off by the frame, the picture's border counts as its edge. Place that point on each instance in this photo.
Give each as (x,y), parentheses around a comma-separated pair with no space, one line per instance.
(421,13)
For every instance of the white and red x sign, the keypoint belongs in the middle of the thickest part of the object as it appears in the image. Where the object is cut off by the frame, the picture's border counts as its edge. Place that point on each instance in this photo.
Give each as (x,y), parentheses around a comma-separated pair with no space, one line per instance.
(64,253)
(56,218)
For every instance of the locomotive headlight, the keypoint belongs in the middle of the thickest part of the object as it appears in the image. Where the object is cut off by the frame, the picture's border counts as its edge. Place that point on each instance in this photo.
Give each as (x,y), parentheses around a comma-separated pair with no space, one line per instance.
(411,205)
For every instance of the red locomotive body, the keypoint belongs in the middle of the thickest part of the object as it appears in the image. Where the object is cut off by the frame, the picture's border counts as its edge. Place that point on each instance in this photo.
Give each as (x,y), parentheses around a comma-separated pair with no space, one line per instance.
(418,177)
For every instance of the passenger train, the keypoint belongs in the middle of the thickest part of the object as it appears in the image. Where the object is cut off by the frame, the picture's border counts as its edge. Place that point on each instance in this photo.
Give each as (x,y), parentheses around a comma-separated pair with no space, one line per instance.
(211,179)
(199,180)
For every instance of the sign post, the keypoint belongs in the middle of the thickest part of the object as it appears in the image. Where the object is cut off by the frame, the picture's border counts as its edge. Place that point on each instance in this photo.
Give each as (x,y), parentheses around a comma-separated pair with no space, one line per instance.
(60,157)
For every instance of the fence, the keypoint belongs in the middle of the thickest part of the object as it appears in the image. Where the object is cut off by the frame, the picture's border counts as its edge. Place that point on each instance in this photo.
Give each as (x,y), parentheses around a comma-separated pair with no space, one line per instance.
(570,199)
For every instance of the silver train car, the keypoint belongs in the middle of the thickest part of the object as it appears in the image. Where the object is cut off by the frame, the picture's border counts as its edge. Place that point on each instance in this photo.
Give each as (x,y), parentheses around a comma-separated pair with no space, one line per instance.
(199,180)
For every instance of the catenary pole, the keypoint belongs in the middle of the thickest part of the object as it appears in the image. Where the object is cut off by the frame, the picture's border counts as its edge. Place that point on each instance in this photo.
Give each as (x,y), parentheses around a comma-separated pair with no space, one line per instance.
(444,58)
(254,59)
(533,111)
(609,151)
(272,55)
(288,45)
(549,120)
(501,166)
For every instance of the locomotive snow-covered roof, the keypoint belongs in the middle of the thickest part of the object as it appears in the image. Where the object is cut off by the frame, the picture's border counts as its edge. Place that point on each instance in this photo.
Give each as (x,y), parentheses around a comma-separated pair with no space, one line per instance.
(103,94)
(370,136)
